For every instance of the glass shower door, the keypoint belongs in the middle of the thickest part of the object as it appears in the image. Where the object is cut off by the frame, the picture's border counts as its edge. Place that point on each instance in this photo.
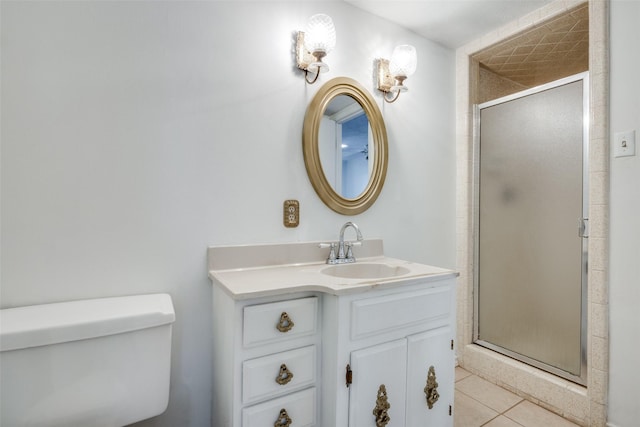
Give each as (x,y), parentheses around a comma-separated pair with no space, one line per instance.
(531,201)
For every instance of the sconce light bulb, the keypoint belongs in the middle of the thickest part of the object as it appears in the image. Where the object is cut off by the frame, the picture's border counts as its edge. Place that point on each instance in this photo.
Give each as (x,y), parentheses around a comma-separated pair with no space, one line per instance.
(404,61)
(320,36)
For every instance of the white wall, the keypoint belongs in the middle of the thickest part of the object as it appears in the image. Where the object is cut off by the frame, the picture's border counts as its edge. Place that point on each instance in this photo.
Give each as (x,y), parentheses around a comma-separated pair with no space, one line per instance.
(625,218)
(136,134)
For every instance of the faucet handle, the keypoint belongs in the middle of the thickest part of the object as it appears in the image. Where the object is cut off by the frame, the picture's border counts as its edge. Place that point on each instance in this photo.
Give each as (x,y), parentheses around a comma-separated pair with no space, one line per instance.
(349,246)
(332,252)
(349,251)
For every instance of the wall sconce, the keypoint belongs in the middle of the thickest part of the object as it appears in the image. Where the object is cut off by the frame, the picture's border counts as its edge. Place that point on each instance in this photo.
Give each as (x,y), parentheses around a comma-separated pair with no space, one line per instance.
(393,73)
(314,44)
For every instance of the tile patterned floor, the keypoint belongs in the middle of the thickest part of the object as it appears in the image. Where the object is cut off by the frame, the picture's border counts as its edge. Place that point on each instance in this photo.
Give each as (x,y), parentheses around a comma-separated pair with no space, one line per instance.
(481,403)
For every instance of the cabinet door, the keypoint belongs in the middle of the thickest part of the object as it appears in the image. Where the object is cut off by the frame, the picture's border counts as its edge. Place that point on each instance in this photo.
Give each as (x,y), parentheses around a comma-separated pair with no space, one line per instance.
(384,364)
(432,348)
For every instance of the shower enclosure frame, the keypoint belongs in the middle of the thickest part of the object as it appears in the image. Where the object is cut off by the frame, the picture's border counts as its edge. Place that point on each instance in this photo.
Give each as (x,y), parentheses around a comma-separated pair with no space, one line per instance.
(582,226)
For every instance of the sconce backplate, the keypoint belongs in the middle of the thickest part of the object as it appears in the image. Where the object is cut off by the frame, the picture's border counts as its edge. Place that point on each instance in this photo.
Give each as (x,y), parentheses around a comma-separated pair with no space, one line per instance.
(304,58)
(385,79)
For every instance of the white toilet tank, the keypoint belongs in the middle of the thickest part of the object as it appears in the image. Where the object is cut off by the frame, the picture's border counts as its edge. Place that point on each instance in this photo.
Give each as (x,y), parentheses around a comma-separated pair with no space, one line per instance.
(99,362)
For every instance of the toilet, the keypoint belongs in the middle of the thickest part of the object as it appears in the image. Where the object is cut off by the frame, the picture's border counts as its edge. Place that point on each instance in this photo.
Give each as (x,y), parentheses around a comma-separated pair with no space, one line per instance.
(99,362)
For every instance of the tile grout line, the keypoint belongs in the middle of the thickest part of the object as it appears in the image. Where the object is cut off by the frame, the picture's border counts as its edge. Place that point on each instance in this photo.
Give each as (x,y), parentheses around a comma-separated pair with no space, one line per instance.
(512,420)
(513,406)
(490,420)
(503,415)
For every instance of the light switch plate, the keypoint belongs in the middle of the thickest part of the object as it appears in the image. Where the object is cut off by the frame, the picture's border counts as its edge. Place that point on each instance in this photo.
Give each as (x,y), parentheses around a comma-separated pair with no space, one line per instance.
(291,213)
(624,144)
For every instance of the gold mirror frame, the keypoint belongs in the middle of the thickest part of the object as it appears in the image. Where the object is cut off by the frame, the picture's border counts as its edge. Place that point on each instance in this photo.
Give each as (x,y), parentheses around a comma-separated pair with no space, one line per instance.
(310,147)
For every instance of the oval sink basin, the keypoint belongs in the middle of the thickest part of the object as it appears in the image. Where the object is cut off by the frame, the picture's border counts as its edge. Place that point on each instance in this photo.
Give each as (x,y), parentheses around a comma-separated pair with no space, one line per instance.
(365,271)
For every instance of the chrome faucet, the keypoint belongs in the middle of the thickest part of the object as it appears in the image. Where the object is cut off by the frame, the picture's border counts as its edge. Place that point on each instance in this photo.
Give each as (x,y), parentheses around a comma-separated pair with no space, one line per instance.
(349,255)
(343,256)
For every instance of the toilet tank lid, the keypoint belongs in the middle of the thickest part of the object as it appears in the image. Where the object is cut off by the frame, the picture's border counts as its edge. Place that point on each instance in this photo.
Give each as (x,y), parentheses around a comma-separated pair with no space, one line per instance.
(38,325)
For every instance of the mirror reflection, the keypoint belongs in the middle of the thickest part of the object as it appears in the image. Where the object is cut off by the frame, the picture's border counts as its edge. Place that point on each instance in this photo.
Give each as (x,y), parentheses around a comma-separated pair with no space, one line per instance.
(346,146)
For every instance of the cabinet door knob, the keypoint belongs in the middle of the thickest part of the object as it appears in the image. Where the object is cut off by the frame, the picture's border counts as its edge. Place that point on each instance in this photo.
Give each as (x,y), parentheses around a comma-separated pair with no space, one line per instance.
(431,389)
(284,420)
(285,324)
(381,411)
(284,376)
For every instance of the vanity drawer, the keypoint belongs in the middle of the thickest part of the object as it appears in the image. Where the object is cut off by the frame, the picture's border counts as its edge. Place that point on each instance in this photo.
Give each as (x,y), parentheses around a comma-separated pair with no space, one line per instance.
(259,376)
(300,407)
(261,321)
(378,315)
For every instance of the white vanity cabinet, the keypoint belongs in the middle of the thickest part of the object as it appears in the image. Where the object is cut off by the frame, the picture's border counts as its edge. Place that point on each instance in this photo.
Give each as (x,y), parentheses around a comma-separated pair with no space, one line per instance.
(296,346)
(398,345)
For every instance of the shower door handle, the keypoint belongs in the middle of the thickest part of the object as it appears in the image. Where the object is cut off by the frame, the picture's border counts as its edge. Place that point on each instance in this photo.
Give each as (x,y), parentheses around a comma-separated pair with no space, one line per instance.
(583,227)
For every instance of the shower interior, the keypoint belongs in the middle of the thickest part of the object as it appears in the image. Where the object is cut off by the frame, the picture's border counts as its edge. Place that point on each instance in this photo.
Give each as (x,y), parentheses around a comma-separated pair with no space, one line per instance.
(548,52)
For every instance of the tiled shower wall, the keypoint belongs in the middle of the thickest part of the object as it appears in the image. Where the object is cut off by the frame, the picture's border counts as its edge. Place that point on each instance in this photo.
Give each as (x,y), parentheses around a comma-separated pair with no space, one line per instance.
(583,405)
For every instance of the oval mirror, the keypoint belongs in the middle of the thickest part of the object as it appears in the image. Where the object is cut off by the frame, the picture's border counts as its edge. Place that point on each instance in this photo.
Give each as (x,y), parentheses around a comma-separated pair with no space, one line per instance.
(345,146)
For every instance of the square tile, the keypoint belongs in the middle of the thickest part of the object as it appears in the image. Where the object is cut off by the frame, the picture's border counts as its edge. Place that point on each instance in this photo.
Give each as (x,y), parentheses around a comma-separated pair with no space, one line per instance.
(598,321)
(529,415)
(599,354)
(598,288)
(488,394)
(598,386)
(469,412)
(598,413)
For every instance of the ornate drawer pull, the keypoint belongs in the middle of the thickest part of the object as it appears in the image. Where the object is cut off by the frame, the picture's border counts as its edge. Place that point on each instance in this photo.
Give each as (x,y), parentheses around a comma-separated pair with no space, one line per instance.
(284,376)
(381,411)
(431,389)
(284,420)
(285,324)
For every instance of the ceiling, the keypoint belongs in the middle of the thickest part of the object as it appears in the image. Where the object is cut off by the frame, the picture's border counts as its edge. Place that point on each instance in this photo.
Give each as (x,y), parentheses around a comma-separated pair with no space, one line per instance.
(451,23)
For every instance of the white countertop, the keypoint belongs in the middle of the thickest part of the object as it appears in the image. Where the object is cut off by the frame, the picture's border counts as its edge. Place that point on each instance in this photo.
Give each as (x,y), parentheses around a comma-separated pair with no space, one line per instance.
(252,282)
